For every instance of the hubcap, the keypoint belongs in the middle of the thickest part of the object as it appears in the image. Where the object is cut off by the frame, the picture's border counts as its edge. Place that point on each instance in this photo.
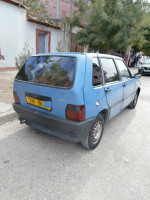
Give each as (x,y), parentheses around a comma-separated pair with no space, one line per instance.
(96,133)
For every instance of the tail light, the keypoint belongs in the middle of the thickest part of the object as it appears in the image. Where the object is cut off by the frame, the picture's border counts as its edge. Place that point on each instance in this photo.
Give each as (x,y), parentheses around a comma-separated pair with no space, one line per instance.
(75,113)
(16,98)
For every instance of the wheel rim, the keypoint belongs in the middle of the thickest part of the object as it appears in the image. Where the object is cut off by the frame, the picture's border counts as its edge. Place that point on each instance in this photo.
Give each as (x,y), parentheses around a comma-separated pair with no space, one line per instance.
(135,99)
(96,133)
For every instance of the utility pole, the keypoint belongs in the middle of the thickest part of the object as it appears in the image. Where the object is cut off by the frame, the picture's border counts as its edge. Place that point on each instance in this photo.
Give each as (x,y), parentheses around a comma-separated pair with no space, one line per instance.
(58,9)
(71,8)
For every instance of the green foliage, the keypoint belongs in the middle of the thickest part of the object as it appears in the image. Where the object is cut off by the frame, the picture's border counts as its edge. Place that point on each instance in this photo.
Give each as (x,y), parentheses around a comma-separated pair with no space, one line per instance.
(37,8)
(146,47)
(23,55)
(112,24)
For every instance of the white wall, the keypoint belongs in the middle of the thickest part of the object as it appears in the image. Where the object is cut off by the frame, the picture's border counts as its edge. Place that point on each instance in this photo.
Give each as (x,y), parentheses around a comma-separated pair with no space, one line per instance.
(30,35)
(11,40)
(15,30)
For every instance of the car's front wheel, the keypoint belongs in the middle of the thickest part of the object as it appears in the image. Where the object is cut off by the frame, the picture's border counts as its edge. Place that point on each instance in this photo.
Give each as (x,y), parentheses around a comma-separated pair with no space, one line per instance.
(95,134)
(140,71)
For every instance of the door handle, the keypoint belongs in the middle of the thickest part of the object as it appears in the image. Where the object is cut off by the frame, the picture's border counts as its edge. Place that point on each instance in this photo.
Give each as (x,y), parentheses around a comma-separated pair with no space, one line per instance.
(124,84)
(108,89)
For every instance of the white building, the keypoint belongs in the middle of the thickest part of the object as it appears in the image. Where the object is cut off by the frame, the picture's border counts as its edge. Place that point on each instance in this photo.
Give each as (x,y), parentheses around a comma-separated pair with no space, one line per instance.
(16,28)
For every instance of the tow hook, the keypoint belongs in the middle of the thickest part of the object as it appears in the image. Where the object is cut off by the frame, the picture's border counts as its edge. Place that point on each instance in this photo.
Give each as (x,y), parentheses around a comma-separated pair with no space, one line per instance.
(22,121)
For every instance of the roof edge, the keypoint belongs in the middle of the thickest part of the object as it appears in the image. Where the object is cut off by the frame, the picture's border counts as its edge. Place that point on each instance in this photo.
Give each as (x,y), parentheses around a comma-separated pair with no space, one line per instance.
(15,3)
(42,22)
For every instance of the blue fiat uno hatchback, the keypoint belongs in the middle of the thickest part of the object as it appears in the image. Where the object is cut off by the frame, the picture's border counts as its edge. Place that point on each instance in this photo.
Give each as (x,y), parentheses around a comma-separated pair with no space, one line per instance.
(74,94)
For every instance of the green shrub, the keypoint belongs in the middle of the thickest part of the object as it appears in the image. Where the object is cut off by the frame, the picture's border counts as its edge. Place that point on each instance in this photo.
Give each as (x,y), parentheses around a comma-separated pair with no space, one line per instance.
(23,55)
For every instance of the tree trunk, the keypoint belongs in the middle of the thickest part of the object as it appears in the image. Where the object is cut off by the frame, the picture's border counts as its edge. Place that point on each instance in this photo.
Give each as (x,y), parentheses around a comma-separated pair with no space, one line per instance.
(127,54)
(109,51)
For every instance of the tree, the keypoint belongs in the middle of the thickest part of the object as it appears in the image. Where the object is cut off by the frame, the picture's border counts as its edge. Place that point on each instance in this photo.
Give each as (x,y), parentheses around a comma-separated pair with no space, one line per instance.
(146,46)
(111,24)
(23,55)
(38,8)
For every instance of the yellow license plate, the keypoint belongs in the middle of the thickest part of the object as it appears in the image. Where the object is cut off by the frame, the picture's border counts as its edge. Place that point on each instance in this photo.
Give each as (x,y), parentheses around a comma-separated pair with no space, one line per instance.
(35,102)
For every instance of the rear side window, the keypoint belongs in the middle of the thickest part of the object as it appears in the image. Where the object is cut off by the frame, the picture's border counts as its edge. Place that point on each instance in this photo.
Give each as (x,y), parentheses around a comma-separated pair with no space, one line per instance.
(49,70)
(96,74)
(123,69)
(109,70)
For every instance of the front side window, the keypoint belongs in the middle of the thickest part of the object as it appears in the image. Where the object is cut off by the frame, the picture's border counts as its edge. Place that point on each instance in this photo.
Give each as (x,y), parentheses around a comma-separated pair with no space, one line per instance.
(49,70)
(96,74)
(109,70)
(123,69)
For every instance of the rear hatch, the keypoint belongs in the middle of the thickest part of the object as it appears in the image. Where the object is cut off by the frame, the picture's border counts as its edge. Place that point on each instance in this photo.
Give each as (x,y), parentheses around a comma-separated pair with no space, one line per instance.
(48,83)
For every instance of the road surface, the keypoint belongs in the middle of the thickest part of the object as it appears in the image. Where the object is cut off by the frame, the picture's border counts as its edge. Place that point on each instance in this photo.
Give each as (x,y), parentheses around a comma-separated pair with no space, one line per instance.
(38,166)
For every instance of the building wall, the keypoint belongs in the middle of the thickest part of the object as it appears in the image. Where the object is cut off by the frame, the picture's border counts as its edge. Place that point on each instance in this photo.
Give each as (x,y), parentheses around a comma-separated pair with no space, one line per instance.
(30,35)
(65,9)
(63,44)
(58,8)
(15,30)
(11,33)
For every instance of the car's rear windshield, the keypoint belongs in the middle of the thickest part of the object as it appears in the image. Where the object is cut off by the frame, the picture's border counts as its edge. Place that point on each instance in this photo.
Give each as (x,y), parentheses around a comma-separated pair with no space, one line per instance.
(58,71)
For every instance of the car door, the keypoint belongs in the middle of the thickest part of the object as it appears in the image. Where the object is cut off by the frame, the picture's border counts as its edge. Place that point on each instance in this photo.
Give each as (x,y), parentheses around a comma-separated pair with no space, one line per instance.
(94,94)
(127,82)
(112,85)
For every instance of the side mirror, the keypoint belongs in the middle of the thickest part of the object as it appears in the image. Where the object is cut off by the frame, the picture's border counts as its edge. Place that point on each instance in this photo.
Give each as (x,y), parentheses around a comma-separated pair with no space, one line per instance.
(137,76)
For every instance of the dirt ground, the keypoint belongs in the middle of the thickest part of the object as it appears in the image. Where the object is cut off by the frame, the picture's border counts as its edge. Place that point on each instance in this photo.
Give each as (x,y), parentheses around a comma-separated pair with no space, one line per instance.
(6,86)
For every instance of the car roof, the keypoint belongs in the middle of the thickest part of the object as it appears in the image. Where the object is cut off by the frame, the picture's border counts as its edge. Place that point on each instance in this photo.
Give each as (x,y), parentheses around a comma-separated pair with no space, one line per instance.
(76,54)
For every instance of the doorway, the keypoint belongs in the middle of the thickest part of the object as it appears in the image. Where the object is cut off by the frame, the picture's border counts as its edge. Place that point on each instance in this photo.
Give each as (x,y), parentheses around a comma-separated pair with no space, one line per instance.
(42,41)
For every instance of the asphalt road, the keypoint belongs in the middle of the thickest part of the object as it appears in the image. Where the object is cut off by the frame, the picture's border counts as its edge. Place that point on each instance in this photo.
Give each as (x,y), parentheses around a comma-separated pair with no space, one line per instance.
(37,166)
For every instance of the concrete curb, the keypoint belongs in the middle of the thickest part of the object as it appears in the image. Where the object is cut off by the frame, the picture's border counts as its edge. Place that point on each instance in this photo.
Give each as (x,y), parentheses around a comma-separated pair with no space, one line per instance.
(8,68)
(8,116)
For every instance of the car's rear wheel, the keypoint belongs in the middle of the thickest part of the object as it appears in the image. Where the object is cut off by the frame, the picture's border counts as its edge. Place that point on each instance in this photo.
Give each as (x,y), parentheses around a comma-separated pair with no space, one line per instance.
(95,134)
(134,102)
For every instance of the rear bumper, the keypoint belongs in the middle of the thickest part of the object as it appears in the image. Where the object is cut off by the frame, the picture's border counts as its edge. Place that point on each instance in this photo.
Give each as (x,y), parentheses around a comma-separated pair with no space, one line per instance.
(65,129)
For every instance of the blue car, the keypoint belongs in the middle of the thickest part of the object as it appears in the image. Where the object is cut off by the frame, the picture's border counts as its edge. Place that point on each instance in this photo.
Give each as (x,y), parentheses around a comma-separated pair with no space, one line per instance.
(74,94)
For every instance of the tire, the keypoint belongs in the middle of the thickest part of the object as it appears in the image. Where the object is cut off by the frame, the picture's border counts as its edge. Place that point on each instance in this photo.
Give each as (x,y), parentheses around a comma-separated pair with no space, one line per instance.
(132,105)
(140,71)
(95,134)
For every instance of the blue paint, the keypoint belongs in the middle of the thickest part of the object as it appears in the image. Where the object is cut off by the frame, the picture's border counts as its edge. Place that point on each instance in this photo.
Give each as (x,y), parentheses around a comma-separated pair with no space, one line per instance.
(82,92)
